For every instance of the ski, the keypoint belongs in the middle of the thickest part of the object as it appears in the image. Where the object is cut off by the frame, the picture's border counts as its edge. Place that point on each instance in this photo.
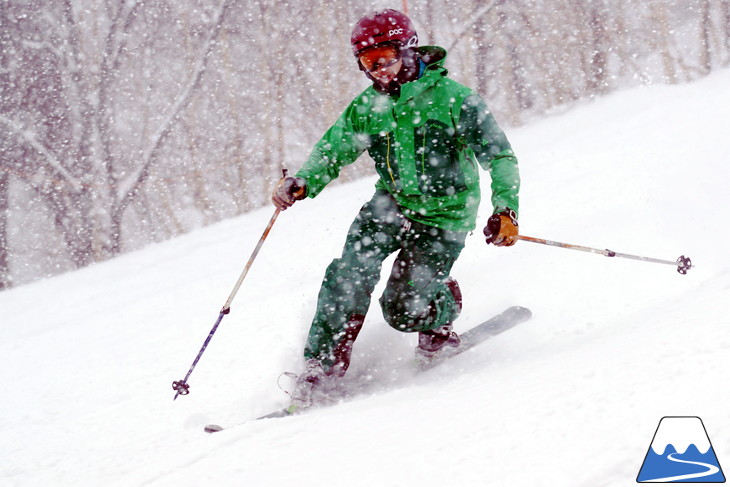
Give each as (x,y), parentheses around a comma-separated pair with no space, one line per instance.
(502,322)
(279,413)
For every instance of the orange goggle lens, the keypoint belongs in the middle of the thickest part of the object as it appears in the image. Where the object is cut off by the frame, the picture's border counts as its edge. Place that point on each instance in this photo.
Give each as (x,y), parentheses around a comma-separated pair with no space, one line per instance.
(379,57)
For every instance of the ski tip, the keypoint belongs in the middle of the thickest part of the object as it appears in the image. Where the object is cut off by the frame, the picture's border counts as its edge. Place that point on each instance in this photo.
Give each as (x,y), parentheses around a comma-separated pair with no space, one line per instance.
(212,428)
(520,311)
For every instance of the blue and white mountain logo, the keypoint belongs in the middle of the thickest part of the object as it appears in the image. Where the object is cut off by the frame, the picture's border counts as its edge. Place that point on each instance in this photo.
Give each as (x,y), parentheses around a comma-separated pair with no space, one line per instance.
(681,452)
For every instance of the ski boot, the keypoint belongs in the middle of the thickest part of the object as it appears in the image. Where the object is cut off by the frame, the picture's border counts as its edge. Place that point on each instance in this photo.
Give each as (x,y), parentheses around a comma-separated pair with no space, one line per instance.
(307,387)
(317,386)
(314,387)
(432,343)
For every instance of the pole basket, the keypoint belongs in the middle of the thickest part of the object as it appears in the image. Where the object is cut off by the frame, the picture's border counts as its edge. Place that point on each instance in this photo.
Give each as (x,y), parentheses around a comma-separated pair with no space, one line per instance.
(181,387)
(683,264)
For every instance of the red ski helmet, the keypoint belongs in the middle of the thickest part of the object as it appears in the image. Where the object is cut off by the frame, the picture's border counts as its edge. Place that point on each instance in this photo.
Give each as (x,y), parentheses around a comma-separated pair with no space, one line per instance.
(383,26)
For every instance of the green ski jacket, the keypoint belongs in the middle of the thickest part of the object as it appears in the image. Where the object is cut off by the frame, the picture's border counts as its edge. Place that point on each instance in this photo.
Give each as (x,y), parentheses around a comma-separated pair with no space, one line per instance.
(426,144)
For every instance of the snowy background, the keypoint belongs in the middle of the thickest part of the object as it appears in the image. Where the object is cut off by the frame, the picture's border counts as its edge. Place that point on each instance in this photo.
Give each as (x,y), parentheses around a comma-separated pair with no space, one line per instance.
(569,398)
(124,123)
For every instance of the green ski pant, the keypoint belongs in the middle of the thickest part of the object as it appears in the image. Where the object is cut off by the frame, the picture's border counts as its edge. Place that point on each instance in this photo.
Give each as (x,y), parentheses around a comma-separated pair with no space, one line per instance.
(415,298)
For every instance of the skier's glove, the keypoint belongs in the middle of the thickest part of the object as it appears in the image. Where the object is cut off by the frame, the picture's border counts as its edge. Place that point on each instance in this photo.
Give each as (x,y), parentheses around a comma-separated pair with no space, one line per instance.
(287,191)
(502,228)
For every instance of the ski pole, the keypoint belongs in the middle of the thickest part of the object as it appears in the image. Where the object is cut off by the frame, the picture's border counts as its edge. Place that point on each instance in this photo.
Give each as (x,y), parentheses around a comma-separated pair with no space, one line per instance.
(181,387)
(683,263)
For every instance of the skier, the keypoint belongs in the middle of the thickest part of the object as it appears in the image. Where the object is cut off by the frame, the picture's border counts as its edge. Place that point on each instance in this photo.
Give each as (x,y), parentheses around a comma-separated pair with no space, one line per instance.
(426,134)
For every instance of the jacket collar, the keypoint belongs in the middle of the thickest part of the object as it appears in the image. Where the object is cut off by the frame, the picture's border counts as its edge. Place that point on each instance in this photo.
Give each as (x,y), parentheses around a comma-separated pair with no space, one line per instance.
(434,57)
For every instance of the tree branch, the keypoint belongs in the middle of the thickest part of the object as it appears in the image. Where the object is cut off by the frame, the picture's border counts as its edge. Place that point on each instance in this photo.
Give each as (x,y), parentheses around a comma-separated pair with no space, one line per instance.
(29,138)
(476,15)
(121,21)
(128,192)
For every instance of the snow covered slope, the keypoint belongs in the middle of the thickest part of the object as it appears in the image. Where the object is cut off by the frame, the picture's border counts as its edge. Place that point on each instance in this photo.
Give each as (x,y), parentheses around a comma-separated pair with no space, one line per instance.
(570,398)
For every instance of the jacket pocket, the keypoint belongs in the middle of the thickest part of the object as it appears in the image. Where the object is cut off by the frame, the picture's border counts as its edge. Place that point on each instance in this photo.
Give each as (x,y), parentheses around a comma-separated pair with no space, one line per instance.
(437,160)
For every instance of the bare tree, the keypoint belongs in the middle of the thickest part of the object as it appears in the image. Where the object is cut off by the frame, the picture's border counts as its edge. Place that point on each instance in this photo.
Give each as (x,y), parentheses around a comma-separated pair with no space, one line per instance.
(4,206)
(512,72)
(5,93)
(77,167)
(725,12)
(482,53)
(597,74)
(705,21)
(429,18)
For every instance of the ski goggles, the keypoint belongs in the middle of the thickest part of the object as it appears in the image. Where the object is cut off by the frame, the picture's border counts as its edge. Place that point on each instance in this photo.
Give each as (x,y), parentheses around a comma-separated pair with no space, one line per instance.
(379,57)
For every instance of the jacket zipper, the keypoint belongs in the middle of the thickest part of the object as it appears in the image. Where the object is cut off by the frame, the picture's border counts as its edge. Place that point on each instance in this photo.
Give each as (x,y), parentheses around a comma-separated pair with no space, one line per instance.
(387,161)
